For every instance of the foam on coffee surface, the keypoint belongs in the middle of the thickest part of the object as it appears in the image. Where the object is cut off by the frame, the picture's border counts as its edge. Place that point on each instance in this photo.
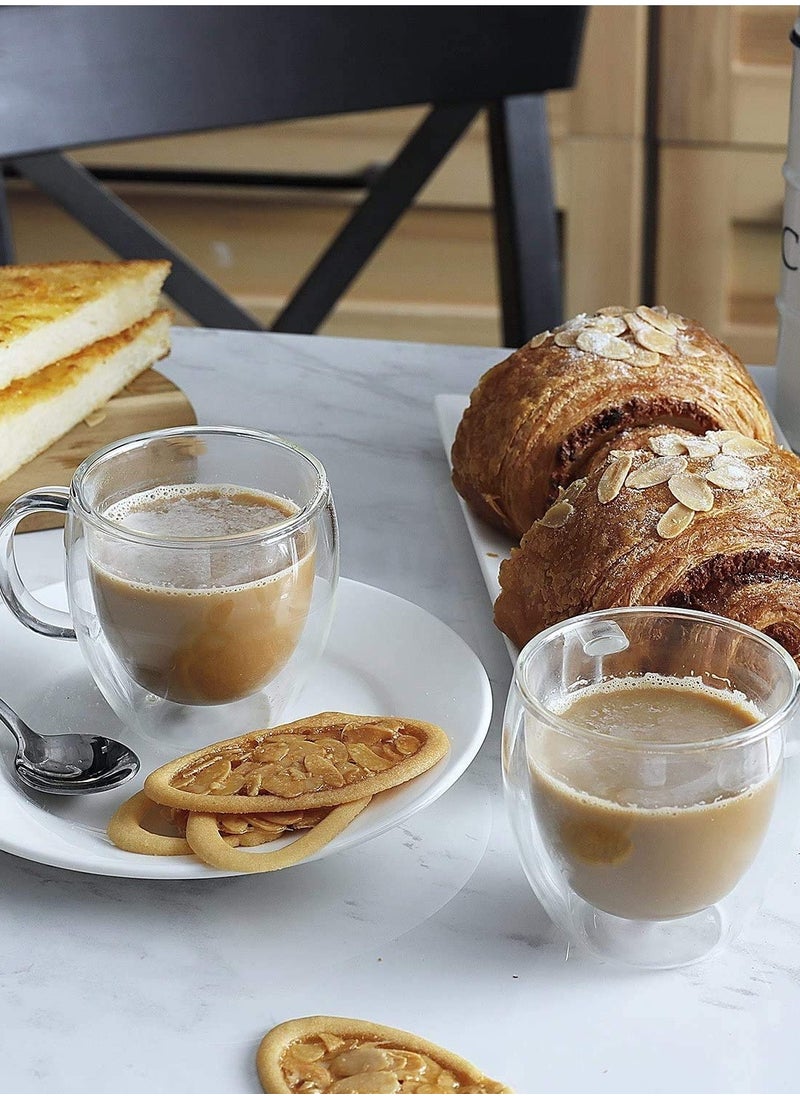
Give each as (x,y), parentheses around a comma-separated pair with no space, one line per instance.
(192,511)
(200,513)
(702,712)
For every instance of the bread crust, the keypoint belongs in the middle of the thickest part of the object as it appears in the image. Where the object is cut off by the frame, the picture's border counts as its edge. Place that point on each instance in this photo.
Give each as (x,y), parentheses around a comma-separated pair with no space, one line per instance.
(62,375)
(50,311)
(541,417)
(41,292)
(37,410)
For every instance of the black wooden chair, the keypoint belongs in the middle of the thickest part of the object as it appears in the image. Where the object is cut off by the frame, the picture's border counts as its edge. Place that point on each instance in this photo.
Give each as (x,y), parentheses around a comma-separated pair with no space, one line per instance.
(71,77)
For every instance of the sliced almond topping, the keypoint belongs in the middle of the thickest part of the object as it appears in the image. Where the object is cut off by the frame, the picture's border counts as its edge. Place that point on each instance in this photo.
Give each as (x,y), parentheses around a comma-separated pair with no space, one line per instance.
(668,445)
(307,1052)
(655,471)
(692,490)
(731,473)
(690,349)
(649,337)
(702,447)
(657,341)
(743,447)
(537,340)
(659,308)
(613,478)
(565,338)
(573,490)
(558,514)
(612,325)
(613,310)
(575,323)
(657,319)
(676,519)
(679,321)
(641,356)
(721,436)
(331,1042)
(606,346)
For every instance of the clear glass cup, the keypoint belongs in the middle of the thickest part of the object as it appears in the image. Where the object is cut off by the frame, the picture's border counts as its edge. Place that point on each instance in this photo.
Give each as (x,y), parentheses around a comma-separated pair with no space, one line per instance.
(650,849)
(195,626)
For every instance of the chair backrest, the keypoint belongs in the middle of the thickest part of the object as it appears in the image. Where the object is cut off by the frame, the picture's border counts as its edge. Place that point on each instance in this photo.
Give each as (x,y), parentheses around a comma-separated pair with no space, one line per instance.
(75,76)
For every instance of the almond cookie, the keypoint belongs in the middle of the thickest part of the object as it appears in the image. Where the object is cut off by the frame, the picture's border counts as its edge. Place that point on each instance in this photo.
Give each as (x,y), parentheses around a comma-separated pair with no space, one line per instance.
(128,831)
(336,1054)
(206,841)
(128,828)
(321,761)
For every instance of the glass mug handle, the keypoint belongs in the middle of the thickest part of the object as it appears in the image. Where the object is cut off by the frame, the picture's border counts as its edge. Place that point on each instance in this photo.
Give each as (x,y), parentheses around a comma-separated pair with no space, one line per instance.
(33,613)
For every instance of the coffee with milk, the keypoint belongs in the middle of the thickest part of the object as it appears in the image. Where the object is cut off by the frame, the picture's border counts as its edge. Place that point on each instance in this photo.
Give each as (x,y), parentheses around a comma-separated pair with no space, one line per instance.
(194,611)
(674,847)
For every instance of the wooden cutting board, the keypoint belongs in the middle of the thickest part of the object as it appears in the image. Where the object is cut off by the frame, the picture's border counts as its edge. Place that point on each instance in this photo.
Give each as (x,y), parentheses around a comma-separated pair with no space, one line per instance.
(148,403)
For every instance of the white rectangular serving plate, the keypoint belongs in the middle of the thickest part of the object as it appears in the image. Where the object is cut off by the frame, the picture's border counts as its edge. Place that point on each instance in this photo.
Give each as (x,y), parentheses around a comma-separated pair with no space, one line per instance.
(490,545)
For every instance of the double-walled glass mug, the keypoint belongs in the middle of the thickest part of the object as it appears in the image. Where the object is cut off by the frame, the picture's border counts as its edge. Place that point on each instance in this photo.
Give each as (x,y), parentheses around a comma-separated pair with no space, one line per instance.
(647,779)
(201,567)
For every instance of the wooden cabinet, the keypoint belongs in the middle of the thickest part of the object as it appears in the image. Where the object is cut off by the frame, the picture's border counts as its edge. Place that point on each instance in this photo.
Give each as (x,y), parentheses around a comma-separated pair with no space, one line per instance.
(434,279)
(723,116)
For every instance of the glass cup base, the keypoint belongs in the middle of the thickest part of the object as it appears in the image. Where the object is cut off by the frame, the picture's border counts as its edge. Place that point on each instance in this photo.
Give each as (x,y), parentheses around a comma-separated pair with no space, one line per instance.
(651,945)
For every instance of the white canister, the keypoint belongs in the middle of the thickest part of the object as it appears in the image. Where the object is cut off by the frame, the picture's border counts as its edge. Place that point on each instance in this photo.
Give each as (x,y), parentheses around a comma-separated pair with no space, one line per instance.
(788,301)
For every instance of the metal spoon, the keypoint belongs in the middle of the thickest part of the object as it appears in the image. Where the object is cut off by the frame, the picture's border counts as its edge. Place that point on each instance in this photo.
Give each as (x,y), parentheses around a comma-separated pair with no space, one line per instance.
(68,764)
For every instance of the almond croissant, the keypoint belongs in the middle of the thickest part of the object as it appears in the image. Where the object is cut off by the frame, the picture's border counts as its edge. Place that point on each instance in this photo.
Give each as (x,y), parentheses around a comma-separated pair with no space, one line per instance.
(542,417)
(709,523)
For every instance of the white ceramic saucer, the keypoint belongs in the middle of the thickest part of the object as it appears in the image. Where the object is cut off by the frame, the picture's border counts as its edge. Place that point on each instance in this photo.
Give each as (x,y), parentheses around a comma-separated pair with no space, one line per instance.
(385,656)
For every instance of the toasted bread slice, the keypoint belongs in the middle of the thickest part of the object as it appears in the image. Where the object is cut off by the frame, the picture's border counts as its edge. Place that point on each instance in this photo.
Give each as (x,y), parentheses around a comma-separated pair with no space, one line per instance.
(37,411)
(51,311)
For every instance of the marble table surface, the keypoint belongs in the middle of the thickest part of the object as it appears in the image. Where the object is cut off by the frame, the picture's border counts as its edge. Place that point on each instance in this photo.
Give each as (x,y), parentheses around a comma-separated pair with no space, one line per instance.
(120,985)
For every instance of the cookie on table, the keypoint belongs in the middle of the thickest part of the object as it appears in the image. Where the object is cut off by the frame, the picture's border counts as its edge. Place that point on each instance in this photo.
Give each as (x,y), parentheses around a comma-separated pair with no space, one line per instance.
(338,1054)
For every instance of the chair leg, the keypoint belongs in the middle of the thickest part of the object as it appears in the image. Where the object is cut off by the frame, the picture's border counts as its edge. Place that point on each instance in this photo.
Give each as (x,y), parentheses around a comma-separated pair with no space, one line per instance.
(6,234)
(388,199)
(98,209)
(526,229)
